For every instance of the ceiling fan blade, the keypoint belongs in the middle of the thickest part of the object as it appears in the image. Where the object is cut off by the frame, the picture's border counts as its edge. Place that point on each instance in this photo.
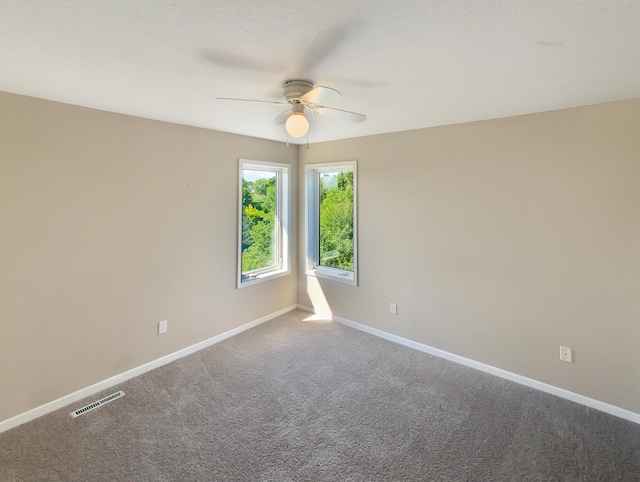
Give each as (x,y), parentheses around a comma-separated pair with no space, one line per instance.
(274,102)
(320,94)
(281,118)
(339,113)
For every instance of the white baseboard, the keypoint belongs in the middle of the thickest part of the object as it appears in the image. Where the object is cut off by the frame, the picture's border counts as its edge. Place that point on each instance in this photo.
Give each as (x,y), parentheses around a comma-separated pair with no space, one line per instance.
(134,372)
(529,382)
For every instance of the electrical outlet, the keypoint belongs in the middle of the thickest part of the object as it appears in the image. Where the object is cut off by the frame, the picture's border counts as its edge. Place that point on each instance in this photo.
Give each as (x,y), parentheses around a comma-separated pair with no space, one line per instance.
(393,308)
(162,327)
(566,354)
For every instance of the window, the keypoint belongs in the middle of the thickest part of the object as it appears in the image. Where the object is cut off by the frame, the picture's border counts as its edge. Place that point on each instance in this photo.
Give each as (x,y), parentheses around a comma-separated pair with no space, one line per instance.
(332,221)
(263,239)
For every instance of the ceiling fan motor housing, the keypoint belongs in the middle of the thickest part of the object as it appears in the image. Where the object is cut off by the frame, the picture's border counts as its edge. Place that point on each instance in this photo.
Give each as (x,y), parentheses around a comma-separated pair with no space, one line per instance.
(295,88)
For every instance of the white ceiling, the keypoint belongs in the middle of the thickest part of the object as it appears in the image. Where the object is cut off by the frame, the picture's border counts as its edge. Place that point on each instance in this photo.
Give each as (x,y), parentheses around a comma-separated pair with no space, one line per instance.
(405,64)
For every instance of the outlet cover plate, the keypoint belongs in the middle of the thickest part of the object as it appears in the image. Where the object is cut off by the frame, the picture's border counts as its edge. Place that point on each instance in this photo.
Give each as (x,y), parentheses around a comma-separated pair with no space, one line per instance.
(566,354)
(162,327)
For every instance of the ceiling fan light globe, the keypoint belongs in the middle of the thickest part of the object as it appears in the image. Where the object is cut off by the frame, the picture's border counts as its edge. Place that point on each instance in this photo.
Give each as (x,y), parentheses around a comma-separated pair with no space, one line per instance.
(297,125)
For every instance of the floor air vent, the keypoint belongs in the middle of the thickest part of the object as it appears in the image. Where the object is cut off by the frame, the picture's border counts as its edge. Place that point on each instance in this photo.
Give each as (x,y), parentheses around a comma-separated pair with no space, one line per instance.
(97,403)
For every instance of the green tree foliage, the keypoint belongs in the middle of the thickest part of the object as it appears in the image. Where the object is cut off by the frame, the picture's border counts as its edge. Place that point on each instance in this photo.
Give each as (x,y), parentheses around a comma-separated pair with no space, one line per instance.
(258,223)
(336,220)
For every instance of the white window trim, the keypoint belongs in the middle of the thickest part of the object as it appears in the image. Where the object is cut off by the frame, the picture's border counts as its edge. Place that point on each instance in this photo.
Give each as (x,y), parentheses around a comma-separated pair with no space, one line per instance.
(312,223)
(283,222)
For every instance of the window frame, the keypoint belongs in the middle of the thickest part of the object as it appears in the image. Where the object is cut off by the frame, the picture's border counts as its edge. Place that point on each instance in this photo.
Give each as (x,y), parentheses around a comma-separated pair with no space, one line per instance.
(312,222)
(282,222)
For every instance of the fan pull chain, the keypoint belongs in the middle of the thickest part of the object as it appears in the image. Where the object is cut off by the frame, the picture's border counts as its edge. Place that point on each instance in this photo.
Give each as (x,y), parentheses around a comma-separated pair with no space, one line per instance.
(307,139)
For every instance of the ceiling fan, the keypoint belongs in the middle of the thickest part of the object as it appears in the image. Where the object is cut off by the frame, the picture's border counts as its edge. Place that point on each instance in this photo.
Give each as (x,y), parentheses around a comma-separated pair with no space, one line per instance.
(300,95)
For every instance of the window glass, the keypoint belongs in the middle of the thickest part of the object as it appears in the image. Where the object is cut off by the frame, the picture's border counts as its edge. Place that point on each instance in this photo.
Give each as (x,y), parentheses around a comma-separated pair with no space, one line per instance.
(259,203)
(336,219)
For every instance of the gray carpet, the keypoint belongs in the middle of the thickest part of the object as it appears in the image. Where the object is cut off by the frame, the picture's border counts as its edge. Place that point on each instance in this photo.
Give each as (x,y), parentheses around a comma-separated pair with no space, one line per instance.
(294,400)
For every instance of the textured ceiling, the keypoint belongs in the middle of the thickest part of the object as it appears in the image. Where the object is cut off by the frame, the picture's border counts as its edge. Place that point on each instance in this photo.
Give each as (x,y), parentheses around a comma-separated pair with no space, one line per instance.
(405,64)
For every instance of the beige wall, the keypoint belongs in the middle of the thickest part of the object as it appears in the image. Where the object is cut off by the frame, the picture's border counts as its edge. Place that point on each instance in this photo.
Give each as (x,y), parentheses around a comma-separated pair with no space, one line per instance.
(502,240)
(109,224)
(499,241)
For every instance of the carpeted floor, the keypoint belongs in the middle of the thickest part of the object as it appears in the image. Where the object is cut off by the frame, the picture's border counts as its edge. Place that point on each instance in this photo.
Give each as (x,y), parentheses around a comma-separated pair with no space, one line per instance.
(294,400)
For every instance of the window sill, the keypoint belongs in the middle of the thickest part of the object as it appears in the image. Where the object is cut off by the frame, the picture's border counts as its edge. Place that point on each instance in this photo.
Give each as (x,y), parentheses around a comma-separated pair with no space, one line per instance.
(341,276)
(256,279)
